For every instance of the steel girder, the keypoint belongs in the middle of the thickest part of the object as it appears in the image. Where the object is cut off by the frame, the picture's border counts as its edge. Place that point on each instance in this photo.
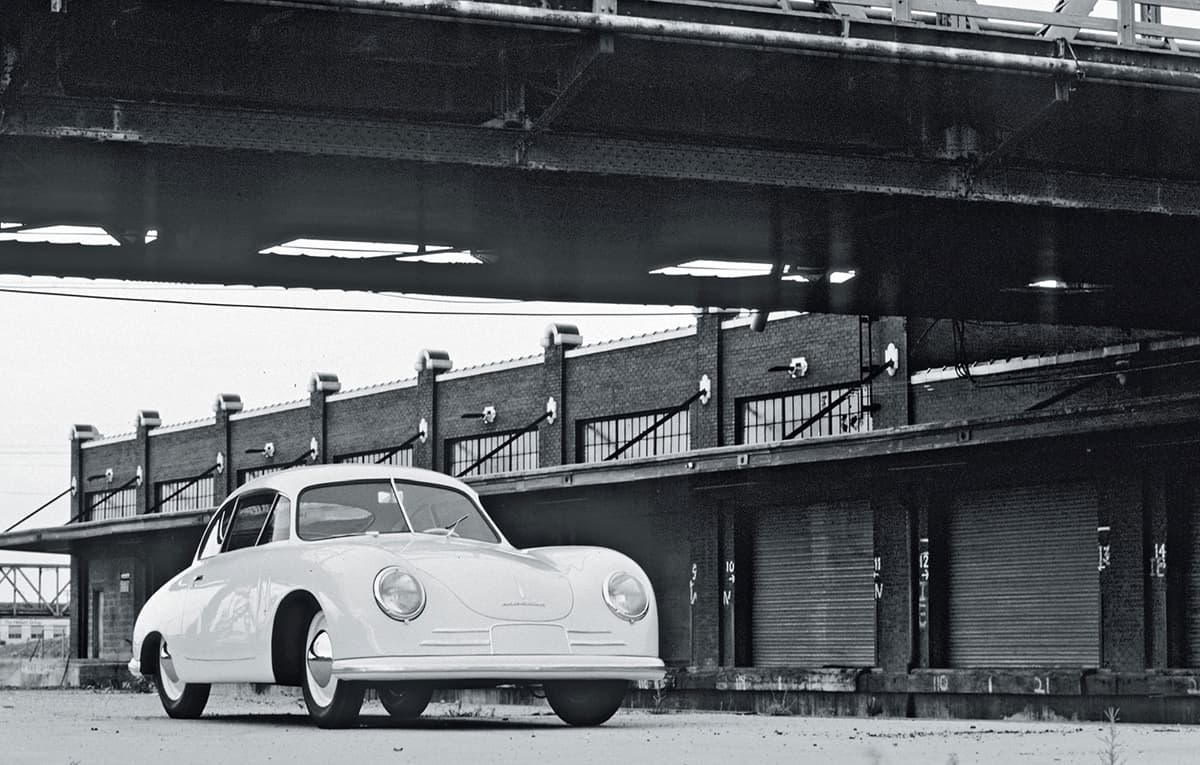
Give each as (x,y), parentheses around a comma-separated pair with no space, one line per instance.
(272,131)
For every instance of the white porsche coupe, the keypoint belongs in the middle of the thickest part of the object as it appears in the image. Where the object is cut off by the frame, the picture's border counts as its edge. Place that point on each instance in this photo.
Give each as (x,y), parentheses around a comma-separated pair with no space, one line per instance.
(343,577)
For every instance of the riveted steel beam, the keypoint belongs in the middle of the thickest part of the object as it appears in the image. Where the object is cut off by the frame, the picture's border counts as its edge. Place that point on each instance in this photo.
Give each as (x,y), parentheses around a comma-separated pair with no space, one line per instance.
(273,131)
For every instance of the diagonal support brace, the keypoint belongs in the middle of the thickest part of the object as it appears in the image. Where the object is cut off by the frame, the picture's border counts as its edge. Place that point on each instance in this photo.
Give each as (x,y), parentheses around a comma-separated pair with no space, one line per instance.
(1062,94)
(589,60)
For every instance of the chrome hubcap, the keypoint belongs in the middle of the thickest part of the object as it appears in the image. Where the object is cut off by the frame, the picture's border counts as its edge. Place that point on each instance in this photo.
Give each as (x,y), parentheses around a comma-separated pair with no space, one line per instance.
(318,663)
(167,676)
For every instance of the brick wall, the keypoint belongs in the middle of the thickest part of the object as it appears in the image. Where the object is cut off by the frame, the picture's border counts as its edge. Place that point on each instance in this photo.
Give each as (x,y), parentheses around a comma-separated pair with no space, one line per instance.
(367,423)
(289,430)
(184,453)
(517,394)
(119,609)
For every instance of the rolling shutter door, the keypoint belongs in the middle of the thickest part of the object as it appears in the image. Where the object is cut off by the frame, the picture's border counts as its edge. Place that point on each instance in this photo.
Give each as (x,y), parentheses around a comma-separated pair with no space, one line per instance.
(1191,554)
(1023,585)
(813,601)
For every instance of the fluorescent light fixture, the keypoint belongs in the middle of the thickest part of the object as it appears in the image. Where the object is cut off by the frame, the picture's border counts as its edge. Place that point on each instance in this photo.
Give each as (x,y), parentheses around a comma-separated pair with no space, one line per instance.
(841,277)
(151,235)
(8,224)
(92,236)
(1049,284)
(335,248)
(722,269)
(796,278)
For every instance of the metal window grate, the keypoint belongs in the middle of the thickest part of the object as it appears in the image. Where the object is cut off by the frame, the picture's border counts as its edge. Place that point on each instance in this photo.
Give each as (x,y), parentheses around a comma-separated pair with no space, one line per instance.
(761,420)
(401,458)
(599,438)
(521,454)
(249,474)
(122,504)
(198,496)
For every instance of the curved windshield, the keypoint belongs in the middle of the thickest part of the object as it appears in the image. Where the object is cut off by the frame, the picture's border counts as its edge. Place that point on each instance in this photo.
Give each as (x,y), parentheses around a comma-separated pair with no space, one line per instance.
(389,507)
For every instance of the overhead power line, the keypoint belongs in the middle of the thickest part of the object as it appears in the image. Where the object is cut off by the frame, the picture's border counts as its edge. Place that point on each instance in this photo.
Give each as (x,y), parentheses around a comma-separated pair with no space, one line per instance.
(342,309)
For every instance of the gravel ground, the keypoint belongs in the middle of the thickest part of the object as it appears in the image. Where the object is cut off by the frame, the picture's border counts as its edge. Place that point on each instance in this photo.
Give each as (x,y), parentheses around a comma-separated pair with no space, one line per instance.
(89,727)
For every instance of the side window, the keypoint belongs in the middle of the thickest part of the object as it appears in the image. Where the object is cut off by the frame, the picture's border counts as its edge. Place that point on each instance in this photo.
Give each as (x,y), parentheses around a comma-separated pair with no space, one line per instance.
(215,535)
(279,523)
(252,510)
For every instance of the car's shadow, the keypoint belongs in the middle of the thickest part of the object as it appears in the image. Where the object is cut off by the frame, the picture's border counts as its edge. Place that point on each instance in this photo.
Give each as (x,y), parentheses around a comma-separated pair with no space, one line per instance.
(548,723)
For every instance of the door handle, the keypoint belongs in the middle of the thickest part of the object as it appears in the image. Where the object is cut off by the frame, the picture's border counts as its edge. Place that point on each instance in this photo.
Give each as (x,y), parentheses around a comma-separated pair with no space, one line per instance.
(198,578)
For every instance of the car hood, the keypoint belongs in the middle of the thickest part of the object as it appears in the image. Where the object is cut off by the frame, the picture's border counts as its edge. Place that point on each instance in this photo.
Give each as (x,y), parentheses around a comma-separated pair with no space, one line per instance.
(495,581)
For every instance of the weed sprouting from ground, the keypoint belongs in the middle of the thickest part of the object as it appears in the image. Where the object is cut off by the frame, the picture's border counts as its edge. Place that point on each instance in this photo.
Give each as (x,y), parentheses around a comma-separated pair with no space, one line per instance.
(658,697)
(780,705)
(1110,746)
(461,710)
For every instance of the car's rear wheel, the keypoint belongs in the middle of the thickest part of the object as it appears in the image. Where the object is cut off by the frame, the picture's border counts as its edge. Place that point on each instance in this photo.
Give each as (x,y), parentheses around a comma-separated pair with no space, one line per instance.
(331,703)
(405,701)
(586,702)
(180,700)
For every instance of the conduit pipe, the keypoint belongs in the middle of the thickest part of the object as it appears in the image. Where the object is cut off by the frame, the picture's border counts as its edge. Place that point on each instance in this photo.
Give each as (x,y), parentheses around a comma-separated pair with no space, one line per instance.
(765,39)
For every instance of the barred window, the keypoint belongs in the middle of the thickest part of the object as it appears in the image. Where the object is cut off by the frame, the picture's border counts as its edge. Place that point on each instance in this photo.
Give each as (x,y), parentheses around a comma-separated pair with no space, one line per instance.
(15,632)
(196,496)
(249,474)
(597,439)
(37,631)
(102,507)
(772,418)
(521,454)
(402,457)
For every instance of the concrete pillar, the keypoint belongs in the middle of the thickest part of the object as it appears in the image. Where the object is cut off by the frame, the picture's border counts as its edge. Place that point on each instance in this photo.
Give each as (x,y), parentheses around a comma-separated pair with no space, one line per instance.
(1154,567)
(1119,557)
(895,621)
(735,585)
(705,582)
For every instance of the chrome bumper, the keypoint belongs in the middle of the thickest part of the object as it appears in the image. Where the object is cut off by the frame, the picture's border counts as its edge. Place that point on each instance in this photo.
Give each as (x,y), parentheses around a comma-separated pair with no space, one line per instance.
(529,668)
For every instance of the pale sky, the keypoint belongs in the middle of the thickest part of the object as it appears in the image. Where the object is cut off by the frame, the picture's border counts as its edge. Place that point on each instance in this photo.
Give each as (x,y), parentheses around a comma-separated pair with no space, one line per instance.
(85,361)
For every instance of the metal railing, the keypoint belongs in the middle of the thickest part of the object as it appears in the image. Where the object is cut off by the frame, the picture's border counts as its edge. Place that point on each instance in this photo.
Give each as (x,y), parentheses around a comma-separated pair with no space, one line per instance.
(1121,22)
(34,589)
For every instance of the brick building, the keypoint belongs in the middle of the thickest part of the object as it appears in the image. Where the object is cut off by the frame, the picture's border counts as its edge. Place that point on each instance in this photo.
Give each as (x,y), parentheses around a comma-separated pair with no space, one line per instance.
(873,515)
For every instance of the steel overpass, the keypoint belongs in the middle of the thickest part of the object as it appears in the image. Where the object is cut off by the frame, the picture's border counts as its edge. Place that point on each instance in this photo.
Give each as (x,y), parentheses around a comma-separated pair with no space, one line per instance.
(949,155)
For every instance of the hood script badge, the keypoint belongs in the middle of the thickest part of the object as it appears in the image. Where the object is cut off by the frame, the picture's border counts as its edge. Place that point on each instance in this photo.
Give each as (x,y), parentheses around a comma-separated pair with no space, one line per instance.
(522,599)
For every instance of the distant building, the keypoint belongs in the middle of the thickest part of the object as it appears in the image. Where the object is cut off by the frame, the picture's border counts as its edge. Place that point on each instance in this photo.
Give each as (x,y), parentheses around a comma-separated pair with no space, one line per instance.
(15,629)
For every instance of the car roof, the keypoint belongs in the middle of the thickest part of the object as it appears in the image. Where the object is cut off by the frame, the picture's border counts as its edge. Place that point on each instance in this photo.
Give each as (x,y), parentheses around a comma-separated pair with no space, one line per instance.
(292,480)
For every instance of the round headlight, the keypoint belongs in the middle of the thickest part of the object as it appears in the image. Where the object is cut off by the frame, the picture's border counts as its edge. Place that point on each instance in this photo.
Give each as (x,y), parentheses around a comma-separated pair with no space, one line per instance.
(626,596)
(399,594)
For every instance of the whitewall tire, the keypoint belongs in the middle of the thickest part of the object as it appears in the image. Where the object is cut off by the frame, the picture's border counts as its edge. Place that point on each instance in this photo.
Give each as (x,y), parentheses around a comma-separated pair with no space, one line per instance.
(331,703)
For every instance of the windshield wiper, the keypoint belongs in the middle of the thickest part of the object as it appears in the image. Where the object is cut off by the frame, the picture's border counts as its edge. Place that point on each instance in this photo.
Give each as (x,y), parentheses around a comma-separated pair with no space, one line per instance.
(451,527)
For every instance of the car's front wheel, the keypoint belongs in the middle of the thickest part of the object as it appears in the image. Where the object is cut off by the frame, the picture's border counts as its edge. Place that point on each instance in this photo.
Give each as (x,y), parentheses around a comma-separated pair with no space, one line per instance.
(331,703)
(586,702)
(180,700)
(406,701)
